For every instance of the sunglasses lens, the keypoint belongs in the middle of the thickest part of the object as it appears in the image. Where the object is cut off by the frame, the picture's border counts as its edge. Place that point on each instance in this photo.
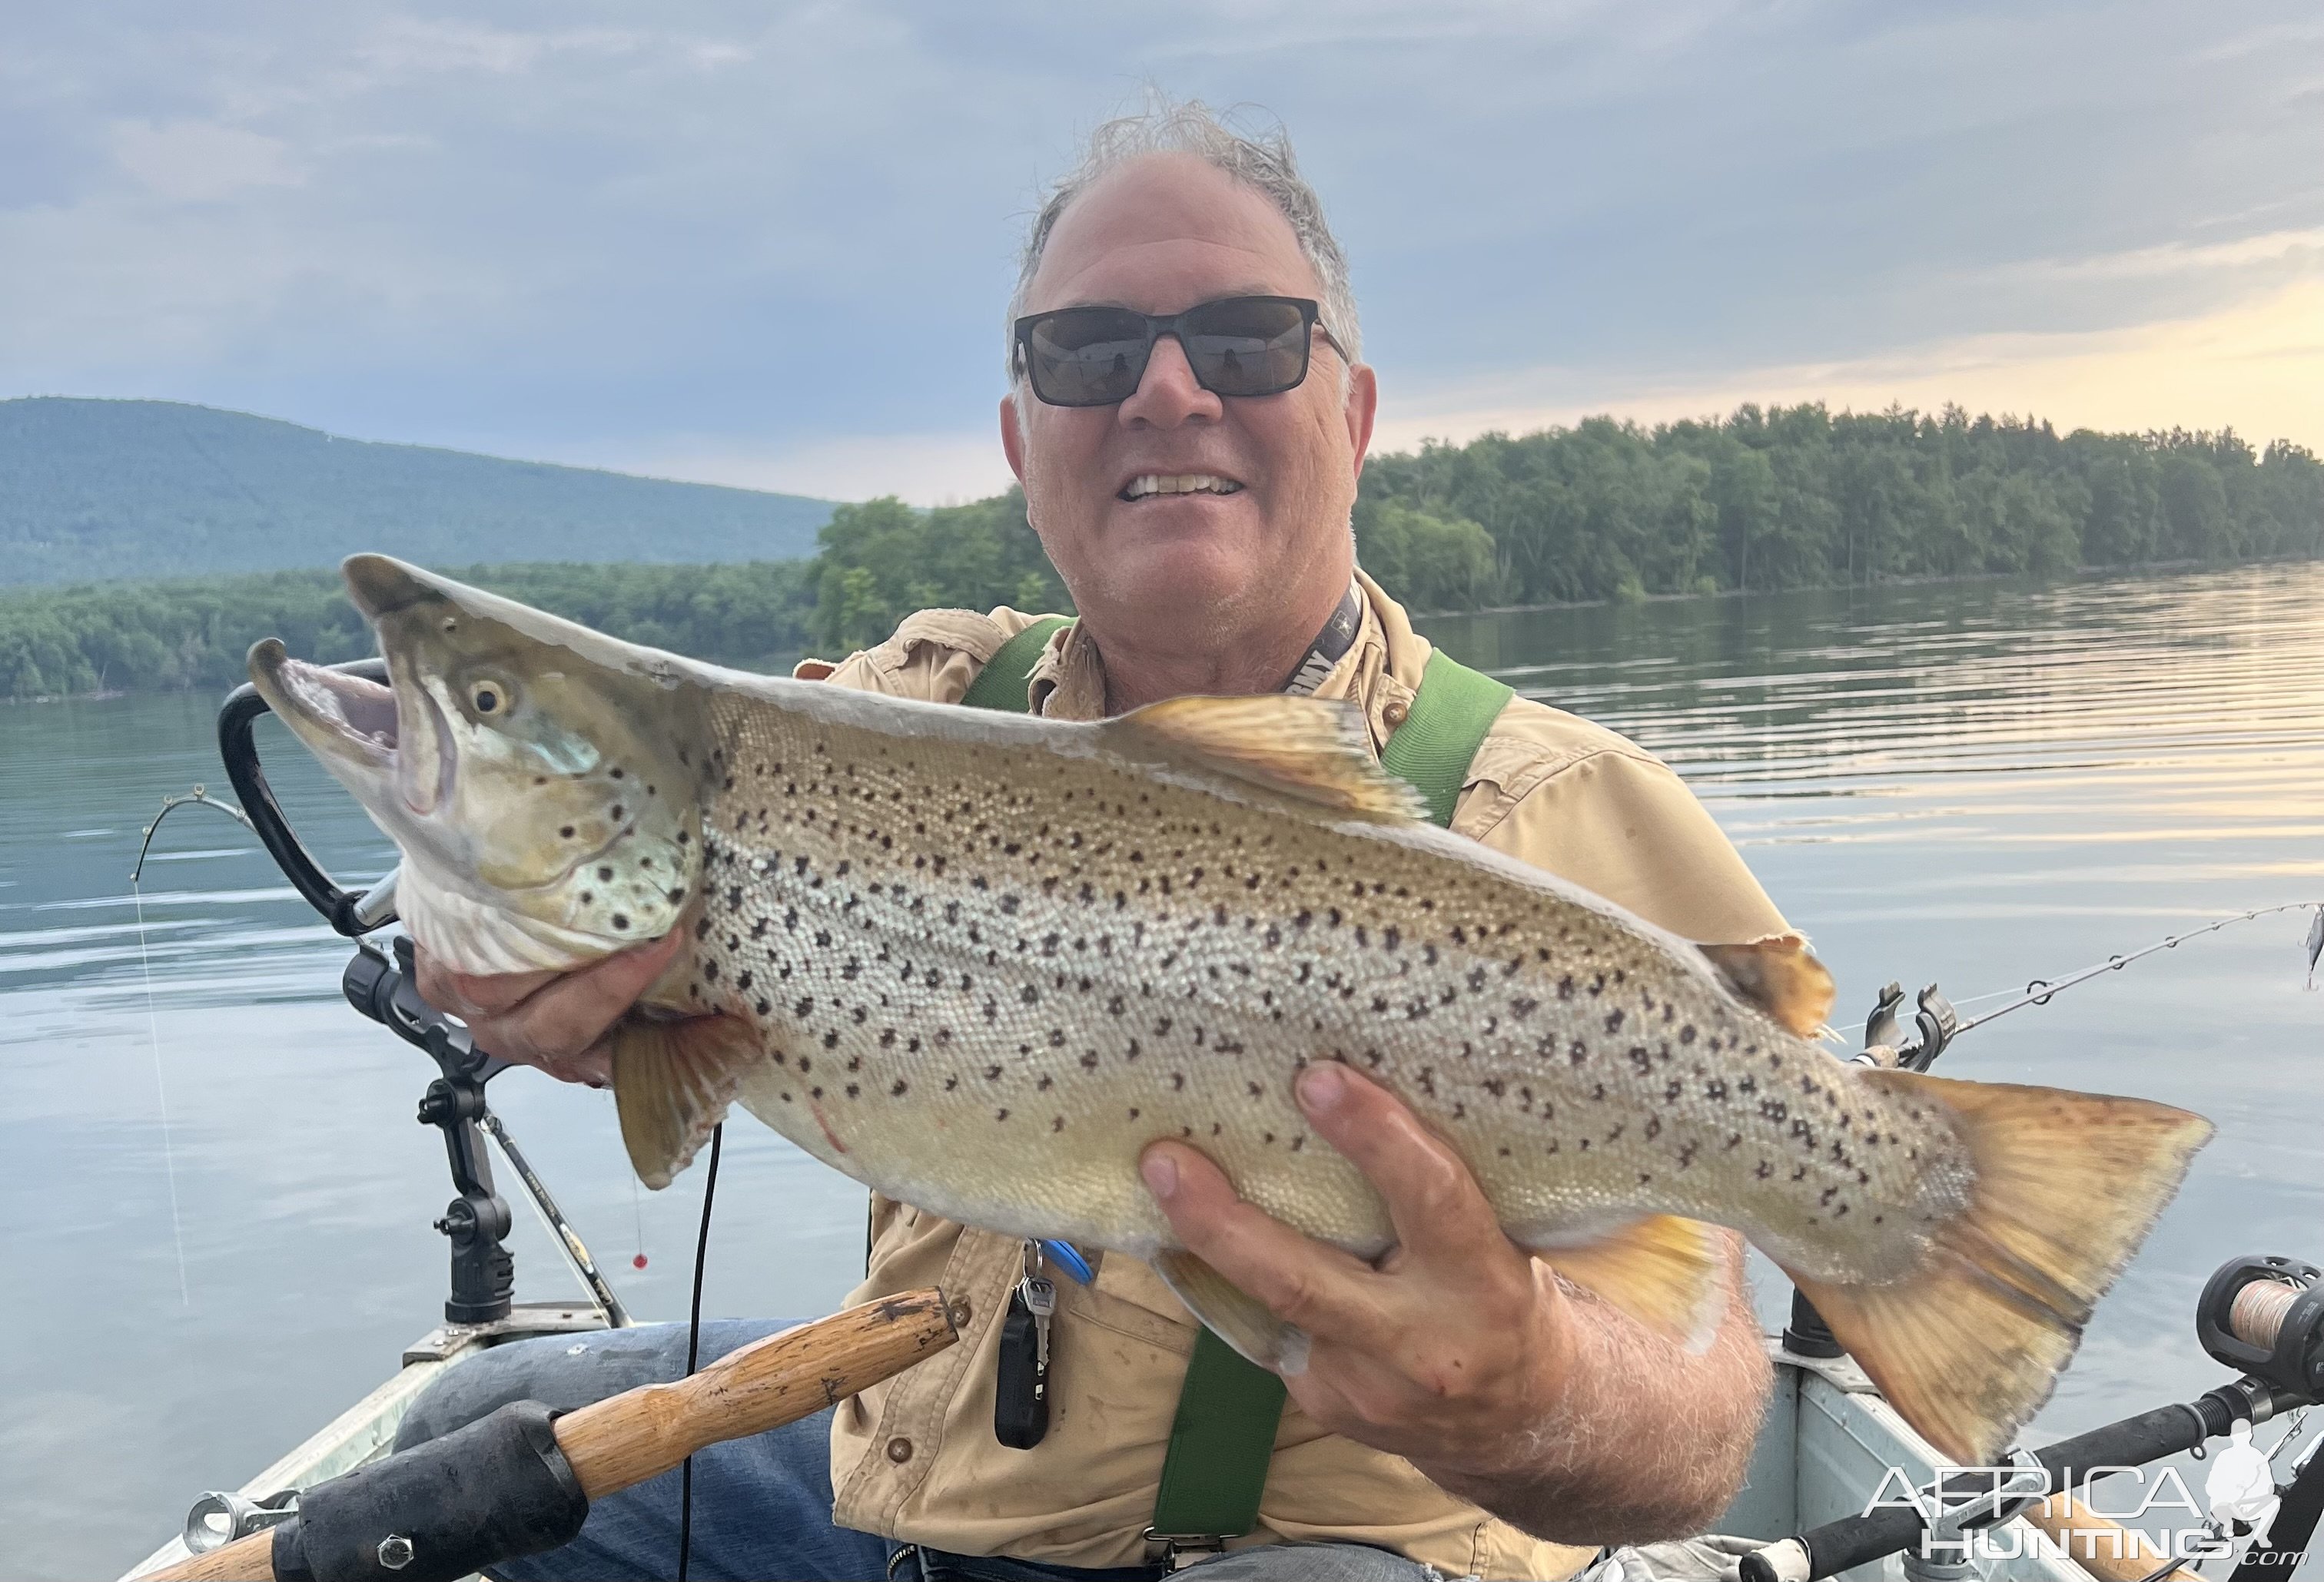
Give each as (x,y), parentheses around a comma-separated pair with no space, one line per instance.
(1086,356)
(1248,345)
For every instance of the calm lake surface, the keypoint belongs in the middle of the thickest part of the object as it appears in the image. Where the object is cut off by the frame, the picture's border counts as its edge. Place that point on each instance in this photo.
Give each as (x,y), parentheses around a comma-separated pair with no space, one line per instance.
(215,1203)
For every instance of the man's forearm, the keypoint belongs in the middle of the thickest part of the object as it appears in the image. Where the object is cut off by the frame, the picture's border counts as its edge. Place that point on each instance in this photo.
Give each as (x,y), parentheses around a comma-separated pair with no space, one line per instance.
(1647,1441)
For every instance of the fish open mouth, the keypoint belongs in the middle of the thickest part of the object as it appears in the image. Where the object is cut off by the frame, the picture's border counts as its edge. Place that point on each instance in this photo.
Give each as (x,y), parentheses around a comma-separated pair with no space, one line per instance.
(395,734)
(356,713)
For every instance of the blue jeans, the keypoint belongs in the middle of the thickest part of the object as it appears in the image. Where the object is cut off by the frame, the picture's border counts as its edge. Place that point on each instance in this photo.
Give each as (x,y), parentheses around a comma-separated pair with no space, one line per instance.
(762,1504)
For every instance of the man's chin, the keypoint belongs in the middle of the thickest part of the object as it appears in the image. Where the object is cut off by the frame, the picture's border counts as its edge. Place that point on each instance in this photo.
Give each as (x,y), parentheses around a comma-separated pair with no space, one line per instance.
(1192,573)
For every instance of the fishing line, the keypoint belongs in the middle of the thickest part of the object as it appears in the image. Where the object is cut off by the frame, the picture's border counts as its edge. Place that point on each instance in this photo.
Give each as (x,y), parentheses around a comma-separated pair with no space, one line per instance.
(694,1351)
(199,794)
(160,1088)
(637,1208)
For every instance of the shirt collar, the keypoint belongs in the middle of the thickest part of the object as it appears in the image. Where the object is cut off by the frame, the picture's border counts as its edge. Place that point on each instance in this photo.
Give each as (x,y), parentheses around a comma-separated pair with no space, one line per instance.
(1380,670)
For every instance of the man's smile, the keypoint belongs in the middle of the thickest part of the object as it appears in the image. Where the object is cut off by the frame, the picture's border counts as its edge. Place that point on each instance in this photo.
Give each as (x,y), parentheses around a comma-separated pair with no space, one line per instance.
(1147,486)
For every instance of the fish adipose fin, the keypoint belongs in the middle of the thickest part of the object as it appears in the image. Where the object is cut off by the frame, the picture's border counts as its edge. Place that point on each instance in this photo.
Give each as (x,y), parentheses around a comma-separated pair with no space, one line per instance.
(673,1082)
(1968,1345)
(1232,1314)
(1311,749)
(1780,976)
(1668,1272)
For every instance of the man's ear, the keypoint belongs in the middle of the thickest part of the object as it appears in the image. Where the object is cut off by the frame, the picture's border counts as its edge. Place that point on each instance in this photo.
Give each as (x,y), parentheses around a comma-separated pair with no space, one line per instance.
(1012,434)
(1363,408)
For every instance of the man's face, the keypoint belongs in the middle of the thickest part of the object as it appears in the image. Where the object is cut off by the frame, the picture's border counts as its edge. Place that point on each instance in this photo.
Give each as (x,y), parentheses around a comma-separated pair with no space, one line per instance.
(1160,235)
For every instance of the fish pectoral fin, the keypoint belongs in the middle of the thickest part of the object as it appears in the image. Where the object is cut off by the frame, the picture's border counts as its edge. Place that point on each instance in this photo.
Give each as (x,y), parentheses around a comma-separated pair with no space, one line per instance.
(1968,1343)
(1779,976)
(673,1082)
(1232,1314)
(1315,750)
(1668,1272)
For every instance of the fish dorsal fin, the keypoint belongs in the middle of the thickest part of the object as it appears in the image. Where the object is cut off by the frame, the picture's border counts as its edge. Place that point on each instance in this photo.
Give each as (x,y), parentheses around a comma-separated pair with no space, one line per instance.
(1666,1272)
(1311,749)
(1779,976)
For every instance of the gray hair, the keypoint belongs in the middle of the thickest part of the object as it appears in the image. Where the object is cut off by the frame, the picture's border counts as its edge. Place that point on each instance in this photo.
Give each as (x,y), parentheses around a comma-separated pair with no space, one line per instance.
(1260,159)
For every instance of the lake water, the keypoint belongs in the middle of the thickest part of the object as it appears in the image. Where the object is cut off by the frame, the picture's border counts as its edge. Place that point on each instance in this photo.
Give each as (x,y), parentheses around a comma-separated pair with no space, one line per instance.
(215,1203)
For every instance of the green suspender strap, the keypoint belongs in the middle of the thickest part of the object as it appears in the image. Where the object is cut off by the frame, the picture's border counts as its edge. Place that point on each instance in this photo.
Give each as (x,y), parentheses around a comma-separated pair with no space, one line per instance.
(1450,714)
(1223,1435)
(1006,682)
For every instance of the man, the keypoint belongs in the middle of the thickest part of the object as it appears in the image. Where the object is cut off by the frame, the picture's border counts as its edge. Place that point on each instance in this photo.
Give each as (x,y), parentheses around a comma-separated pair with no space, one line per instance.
(1462,1408)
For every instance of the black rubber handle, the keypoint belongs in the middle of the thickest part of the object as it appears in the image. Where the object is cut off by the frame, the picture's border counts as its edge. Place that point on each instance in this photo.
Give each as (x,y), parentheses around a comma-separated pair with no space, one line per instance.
(238,749)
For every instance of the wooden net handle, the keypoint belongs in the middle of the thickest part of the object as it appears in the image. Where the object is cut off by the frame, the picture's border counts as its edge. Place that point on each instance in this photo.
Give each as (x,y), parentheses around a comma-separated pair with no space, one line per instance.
(642,1434)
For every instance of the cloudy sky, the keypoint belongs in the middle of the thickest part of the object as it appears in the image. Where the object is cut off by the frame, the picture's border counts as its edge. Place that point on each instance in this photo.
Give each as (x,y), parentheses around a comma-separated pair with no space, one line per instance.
(770,244)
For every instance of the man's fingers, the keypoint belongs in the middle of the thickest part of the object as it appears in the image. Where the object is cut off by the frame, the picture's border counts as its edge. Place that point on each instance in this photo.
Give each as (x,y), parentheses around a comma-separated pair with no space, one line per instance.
(1302,1281)
(1441,1215)
(554,1020)
(592,1066)
(469,996)
(567,1016)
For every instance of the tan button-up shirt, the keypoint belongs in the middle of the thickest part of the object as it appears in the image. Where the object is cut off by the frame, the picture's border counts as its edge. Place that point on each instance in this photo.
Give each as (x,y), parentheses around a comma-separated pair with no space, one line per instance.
(915,1459)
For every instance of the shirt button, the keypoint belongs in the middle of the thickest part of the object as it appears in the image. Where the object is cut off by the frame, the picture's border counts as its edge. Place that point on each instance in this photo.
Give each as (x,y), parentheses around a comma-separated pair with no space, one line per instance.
(1395,711)
(899,1450)
(960,1313)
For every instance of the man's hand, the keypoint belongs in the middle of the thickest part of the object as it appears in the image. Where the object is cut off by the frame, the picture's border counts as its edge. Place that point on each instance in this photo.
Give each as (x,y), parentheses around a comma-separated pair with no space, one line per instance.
(556,1021)
(1467,1356)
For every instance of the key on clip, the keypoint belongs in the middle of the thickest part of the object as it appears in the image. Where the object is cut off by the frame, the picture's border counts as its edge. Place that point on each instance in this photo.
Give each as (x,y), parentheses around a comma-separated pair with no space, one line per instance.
(1021,1396)
(1041,1297)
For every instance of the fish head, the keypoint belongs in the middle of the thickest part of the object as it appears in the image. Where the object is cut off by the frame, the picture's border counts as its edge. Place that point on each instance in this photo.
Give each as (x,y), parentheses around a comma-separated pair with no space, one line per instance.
(543,782)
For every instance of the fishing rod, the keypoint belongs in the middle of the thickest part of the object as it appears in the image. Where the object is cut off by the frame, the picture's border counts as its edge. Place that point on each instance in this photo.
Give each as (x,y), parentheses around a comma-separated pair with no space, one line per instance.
(2041,990)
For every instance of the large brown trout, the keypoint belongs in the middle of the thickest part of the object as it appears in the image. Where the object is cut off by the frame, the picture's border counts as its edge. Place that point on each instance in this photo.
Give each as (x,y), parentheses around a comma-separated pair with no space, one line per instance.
(977,961)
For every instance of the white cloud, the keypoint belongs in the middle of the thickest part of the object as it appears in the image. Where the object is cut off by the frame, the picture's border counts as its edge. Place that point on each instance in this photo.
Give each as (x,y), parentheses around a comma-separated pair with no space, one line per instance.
(200,162)
(411,45)
(2256,366)
(2301,248)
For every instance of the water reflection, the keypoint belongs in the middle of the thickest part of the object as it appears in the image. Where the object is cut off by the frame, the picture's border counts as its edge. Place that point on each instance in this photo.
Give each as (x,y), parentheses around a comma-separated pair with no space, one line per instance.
(1977,784)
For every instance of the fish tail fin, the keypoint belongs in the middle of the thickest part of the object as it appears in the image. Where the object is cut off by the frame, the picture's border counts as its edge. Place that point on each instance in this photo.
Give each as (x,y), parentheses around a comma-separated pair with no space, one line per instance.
(673,1082)
(1968,1343)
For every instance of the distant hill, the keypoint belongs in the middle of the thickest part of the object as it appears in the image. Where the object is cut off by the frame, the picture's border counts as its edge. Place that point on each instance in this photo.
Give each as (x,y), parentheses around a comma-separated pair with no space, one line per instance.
(93,490)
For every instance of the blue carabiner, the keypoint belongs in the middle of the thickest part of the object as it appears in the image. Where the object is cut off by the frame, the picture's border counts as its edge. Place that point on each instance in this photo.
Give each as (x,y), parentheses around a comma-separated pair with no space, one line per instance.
(1067,1257)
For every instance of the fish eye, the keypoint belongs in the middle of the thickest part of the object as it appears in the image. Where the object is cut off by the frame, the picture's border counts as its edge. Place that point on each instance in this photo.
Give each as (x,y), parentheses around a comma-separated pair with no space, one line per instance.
(488,697)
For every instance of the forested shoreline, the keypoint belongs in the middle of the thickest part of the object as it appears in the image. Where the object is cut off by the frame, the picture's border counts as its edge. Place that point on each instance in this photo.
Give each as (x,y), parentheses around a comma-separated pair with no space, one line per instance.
(1763,500)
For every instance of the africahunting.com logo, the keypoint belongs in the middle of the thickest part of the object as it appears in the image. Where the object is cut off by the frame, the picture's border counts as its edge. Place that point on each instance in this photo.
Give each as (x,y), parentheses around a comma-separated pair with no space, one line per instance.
(2126,1513)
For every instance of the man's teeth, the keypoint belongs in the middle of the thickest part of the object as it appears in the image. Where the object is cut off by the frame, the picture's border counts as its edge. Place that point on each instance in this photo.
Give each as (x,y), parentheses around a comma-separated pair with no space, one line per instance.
(1179,484)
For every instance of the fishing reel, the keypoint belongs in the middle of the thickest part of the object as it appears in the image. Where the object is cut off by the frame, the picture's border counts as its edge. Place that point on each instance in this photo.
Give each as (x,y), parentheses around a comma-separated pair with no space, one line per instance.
(2264,1316)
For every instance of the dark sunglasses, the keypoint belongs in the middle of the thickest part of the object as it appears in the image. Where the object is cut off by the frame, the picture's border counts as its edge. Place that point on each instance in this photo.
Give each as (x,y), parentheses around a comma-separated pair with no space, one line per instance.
(1235,345)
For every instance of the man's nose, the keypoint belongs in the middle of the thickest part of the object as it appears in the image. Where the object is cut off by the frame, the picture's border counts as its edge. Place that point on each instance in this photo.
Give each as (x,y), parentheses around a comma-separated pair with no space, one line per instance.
(1169,394)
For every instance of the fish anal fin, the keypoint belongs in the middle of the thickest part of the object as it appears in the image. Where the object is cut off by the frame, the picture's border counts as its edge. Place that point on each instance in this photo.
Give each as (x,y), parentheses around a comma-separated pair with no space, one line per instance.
(1779,976)
(1966,1344)
(673,1082)
(1668,1272)
(1232,1314)
(1313,750)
